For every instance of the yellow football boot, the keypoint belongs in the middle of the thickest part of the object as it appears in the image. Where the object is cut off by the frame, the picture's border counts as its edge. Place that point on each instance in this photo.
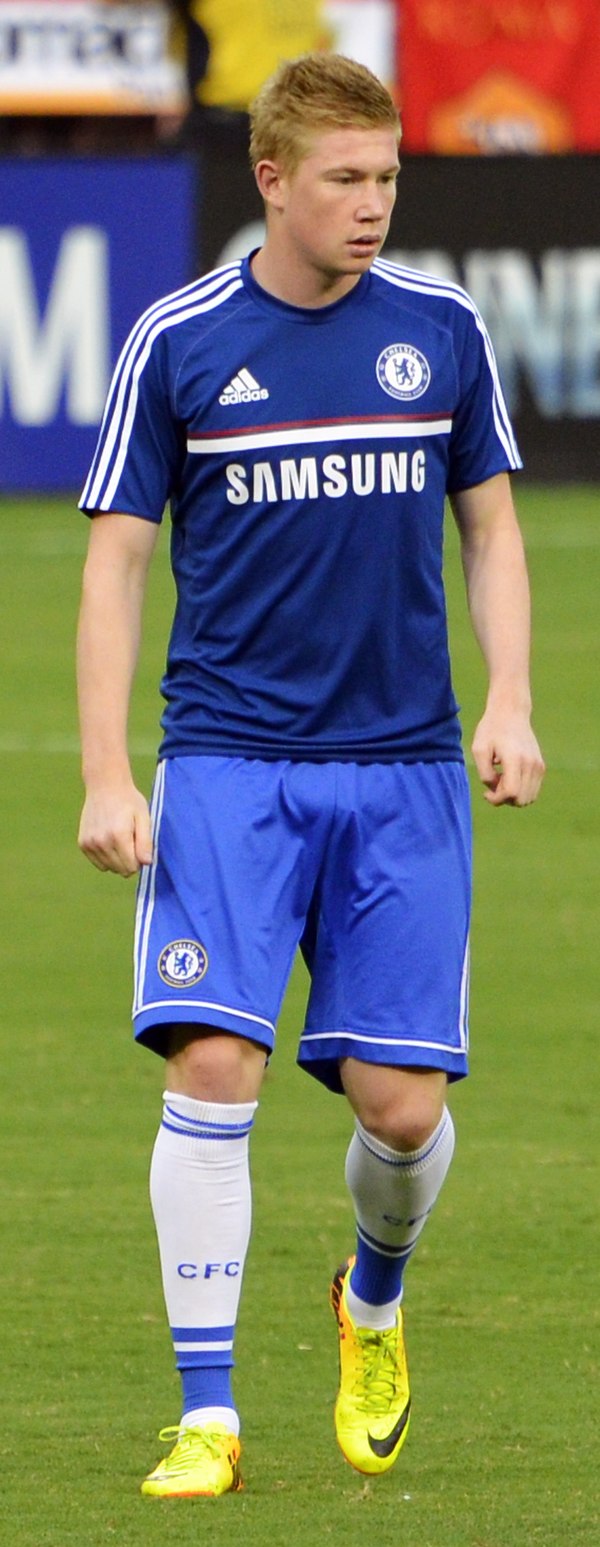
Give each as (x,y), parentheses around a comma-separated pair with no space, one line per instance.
(372,1410)
(202,1464)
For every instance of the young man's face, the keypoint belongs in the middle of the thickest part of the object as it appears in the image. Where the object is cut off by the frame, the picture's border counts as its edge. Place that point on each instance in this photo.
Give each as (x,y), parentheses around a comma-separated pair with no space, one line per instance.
(335,207)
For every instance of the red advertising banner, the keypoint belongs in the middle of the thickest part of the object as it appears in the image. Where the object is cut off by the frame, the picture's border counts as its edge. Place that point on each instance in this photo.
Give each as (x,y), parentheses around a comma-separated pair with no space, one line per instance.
(496,76)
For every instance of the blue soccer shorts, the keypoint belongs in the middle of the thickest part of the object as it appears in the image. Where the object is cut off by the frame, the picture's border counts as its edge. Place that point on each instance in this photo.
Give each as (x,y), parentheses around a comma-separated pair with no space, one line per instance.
(366,867)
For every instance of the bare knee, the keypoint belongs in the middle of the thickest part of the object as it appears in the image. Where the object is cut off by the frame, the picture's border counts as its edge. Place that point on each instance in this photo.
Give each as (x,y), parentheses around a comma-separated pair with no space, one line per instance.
(210,1065)
(401,1107)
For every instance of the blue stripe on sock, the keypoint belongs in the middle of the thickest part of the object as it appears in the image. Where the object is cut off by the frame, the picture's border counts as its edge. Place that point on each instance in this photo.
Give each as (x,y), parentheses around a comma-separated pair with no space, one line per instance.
(205,1133)
(405,1159)
(207,1123)
(191,1359)
(380,1246)
(202,1334)
(377,1278)
(206,1388)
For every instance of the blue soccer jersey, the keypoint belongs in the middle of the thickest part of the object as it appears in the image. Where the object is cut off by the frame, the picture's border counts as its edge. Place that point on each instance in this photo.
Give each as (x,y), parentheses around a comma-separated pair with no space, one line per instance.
(306,455)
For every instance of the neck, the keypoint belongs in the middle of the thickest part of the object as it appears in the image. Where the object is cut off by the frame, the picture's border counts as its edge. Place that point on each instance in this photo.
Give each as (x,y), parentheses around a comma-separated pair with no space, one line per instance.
(289,279)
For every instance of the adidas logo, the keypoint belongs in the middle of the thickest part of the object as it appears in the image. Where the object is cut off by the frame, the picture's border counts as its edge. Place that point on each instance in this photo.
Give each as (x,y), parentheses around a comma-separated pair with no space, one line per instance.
(243,388)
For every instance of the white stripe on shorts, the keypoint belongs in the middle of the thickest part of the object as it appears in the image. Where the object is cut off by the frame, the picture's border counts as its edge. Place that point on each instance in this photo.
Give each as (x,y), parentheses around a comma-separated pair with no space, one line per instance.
(146,893)
(382,1042)
(203,1004)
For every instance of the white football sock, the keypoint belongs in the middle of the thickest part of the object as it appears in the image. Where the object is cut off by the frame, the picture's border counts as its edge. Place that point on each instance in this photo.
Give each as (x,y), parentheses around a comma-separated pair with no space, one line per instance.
(393,1193)
(201,1200)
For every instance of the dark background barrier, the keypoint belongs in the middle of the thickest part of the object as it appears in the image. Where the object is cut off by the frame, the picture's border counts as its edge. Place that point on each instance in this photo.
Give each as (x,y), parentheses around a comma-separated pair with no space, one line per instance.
(523,235)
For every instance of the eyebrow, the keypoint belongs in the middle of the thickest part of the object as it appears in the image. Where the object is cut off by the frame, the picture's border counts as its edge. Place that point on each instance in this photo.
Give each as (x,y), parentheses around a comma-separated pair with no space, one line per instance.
(354,171)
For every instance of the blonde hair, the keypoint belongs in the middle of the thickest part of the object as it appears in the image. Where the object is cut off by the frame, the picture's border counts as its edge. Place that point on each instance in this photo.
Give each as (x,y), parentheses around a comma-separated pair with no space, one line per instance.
(315,92)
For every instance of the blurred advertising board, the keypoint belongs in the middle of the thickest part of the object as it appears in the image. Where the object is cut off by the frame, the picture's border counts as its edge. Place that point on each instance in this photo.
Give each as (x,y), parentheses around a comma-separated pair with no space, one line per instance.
(85,247)
(86,56)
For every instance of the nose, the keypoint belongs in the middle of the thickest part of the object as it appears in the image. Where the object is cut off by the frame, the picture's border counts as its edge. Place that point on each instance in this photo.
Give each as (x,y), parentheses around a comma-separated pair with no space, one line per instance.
(372,203)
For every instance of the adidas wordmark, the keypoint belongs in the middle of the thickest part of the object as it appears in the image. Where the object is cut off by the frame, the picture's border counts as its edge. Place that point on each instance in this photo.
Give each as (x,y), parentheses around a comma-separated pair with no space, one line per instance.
(243,388)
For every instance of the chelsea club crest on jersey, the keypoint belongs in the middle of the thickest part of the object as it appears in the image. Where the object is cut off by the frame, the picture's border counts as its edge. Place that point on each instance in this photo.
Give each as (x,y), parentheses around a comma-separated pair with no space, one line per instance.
(403,372)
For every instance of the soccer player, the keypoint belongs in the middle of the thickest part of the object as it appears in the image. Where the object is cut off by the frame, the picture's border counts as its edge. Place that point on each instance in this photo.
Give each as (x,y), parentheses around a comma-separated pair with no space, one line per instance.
(305,411)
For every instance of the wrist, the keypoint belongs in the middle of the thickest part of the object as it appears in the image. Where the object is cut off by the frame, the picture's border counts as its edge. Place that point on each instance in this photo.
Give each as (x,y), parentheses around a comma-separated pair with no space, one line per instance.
(109,771)
(509,699)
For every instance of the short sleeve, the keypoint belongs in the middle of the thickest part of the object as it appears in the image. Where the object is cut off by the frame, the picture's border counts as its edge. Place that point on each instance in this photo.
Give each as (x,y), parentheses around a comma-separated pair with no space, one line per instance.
(136,463)
(482,441)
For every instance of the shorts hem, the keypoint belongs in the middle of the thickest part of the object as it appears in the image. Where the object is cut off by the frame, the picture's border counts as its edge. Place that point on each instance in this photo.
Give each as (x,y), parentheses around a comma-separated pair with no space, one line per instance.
(322,1058)
(152,1024)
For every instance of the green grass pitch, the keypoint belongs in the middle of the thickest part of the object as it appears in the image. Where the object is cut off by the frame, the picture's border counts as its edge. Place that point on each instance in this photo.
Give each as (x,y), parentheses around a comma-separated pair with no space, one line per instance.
(501,1296)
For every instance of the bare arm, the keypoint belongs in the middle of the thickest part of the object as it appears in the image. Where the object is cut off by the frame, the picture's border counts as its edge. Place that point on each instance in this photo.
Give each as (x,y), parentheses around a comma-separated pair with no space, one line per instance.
(505,750)
(114,831)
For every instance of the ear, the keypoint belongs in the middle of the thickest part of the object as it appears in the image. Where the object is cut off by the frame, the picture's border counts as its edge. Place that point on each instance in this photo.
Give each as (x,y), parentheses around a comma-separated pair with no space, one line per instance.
(270,181)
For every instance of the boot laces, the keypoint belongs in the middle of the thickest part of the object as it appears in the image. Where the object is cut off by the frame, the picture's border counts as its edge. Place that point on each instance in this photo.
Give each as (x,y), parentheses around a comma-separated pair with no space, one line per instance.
(376,1383)
(189,1441)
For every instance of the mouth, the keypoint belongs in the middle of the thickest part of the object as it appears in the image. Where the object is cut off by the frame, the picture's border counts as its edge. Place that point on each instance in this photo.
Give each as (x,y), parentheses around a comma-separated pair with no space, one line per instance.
(365,244)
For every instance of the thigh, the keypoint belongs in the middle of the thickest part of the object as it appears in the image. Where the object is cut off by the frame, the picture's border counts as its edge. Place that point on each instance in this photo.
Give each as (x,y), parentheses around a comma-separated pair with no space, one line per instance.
(388,951)
(221,909)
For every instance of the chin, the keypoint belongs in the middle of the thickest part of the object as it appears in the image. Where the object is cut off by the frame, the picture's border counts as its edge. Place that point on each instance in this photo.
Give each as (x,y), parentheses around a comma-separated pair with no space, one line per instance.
(363,259)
